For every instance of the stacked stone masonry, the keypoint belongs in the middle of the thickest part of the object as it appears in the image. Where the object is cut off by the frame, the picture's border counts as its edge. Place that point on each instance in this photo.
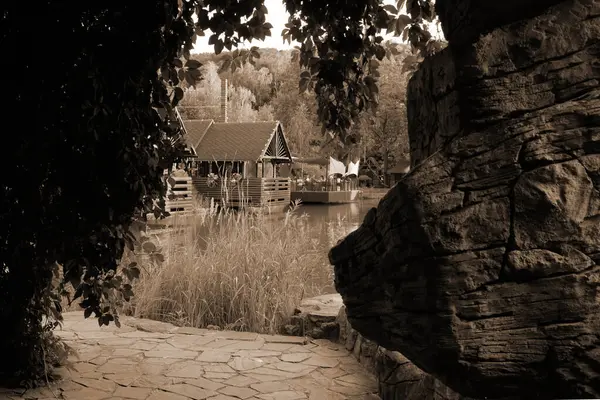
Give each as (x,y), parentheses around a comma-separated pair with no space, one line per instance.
(397,377)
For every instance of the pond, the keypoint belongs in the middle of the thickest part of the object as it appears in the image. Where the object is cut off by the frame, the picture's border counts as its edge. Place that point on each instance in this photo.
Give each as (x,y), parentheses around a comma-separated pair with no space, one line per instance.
(324,224)
(331,223)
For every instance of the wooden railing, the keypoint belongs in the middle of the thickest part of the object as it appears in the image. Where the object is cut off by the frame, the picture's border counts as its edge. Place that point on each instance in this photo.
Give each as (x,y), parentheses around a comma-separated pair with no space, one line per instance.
(254,192)
(325,186)
(179,194)
(275,191)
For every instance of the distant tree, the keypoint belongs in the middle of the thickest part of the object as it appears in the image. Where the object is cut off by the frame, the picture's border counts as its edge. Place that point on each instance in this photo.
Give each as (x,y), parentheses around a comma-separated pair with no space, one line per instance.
(241,101)
(384,131)
(258,81)
(265,113)
(203,100)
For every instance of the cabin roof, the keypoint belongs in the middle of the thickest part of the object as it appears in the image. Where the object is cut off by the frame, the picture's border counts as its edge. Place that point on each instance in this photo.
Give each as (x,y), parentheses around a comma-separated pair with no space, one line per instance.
(195,130)
(245,141)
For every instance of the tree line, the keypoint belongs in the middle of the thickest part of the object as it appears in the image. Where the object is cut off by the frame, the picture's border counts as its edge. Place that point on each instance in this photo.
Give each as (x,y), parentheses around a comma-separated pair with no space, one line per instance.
(267,90)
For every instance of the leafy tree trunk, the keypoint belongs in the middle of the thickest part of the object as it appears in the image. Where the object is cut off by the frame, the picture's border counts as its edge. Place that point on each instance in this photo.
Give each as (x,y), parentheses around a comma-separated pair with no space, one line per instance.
(482,266)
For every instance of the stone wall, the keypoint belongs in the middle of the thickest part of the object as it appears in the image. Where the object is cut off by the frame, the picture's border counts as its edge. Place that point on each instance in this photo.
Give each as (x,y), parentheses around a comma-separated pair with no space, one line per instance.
(483,265)
(433,110)
(398,378)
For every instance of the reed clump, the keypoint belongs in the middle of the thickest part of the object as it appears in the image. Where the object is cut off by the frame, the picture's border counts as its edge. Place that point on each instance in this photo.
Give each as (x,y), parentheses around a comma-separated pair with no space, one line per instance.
(235,270)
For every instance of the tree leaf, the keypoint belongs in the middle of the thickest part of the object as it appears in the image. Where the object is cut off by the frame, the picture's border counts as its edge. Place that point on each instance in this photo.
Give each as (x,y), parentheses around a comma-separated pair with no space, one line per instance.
(177,94)
(380,52)
(164,73)
(402,22)
(391,25)
(135,273)
(303,85)
(219,47)
(193,64)
(149,247)
(390,8)
(78,292)
(225,66)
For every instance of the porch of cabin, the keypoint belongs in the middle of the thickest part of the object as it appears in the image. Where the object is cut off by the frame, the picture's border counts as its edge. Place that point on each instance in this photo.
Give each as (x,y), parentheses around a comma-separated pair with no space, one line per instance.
(241,183)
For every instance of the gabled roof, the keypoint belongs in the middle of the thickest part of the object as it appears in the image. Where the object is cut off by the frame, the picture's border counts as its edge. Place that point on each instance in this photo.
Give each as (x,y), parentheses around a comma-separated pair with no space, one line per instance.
(246,141)
(195,129)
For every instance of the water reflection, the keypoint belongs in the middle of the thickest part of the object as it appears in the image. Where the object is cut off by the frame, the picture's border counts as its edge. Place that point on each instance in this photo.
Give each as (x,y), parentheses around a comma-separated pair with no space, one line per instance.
(331,223)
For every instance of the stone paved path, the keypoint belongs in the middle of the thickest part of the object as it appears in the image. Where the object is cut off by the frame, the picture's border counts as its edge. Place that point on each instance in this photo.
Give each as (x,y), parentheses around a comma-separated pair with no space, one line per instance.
(149,360)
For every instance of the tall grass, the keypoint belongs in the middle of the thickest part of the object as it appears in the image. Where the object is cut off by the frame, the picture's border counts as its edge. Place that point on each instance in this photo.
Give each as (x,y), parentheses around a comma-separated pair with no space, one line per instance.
(235,270)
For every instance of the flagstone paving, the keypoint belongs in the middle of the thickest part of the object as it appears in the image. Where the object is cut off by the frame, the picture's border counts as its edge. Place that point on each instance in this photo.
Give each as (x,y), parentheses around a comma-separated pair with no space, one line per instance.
(149,360)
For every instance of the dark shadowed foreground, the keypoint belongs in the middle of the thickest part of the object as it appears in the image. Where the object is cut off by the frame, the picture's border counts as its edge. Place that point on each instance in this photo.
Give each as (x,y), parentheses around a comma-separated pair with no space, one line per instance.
(482,266)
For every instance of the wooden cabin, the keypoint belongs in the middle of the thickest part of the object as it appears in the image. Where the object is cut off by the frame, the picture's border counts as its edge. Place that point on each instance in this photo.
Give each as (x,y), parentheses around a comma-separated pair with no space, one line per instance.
(238,164)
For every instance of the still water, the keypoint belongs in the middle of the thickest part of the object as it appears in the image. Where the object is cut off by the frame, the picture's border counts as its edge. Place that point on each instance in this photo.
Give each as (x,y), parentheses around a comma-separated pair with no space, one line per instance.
(331,223)
(328,224)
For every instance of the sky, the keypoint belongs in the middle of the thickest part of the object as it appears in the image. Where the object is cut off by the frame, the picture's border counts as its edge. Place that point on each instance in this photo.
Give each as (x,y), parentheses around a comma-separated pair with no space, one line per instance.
(278,17)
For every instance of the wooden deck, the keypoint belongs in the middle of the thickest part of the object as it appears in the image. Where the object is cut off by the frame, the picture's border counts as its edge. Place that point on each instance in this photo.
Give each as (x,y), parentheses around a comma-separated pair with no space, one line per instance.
(249,192)
(326,197)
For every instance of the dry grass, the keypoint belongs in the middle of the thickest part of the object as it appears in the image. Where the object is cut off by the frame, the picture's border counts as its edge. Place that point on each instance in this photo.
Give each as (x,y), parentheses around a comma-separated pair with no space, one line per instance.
(234,270)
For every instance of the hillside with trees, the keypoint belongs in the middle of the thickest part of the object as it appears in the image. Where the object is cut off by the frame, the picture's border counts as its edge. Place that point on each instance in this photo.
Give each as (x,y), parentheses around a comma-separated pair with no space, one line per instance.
(267,89)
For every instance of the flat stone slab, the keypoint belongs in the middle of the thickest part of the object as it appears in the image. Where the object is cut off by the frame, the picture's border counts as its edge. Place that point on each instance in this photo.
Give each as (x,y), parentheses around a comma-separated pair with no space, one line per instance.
(326,306)
(149,360)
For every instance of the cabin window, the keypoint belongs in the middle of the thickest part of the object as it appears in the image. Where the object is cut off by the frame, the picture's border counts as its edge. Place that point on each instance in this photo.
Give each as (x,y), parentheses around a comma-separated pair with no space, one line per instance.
(202,168)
